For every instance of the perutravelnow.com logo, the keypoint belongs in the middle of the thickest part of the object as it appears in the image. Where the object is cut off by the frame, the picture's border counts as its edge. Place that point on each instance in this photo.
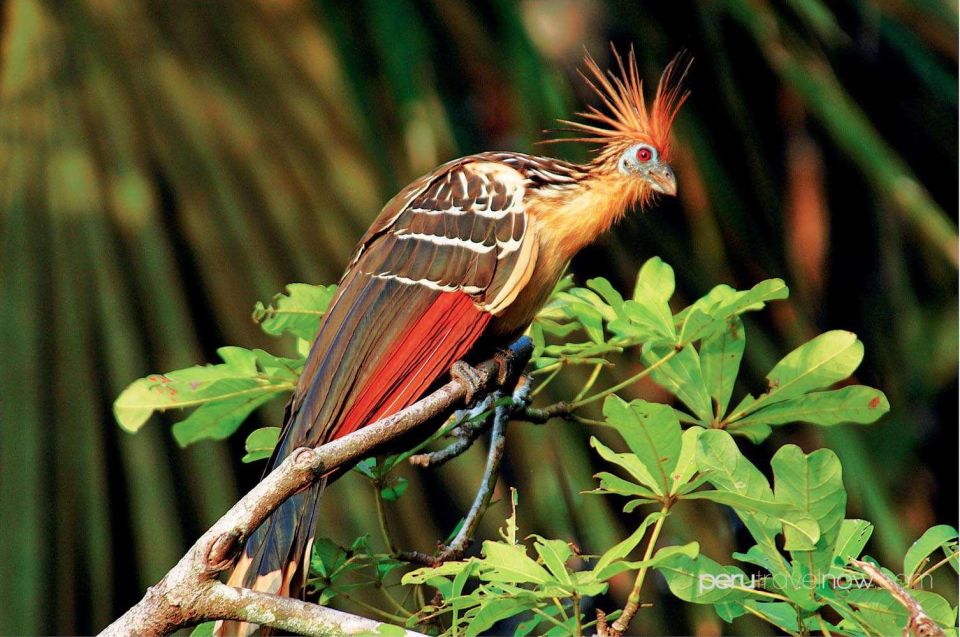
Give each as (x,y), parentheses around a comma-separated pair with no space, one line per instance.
(724,581)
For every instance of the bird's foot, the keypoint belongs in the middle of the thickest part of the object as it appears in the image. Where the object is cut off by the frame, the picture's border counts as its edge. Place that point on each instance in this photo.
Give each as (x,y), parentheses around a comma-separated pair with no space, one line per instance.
(470,376)
(511,361)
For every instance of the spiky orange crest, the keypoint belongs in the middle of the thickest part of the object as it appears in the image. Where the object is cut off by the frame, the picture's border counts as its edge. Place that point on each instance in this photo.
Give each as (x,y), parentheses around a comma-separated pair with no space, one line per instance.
(628,119)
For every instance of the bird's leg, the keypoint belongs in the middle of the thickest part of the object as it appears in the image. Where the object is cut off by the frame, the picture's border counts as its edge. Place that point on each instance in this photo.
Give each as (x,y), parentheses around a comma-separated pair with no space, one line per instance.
(512,360)
(470,376)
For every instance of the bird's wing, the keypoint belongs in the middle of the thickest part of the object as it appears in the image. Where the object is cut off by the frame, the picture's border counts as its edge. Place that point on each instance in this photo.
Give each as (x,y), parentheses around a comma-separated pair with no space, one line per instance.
(448,253)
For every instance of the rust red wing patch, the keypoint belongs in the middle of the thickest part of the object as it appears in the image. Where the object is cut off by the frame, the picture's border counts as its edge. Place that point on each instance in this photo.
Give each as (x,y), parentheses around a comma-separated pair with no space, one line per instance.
(416,358)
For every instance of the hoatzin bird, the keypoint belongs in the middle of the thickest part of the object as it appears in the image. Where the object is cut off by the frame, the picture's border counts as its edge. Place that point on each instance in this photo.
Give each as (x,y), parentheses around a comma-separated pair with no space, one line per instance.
(456,265)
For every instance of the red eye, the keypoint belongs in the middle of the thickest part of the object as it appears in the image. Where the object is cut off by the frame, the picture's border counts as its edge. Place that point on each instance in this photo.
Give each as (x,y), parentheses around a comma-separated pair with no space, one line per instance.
(644,154)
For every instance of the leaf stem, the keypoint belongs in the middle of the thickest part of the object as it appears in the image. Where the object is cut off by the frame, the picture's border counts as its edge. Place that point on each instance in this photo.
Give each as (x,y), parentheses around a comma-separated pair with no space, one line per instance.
(919,578)
(382,517)
(615,388)
(576,614)
(633,601)
(824,629)
(547,616)
(767,620)
(545,382)
(590,382)
(373,609)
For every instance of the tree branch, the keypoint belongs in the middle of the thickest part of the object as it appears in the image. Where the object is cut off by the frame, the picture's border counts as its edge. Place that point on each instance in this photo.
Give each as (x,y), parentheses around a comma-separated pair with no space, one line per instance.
(190,592)
(920,624)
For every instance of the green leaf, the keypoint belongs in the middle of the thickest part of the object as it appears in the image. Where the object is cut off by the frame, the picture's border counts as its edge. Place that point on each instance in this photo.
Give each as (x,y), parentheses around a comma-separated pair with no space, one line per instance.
(651,431)
(495,610)
(852,537)
(587,314)
(390,630)
(701,580)
(742,502)
(623,548)
(260,443)
(640,323)
(655,282)
(755,433)
(219,418)
(607,291)
(427,573)
(723,302)
(203,630)
(686,466)
(854,403)
(757,556)
(888,615)
(681,376)
(554,554)
(631,463)
(933,538)
(780,614)
(727,469)
(509,531)
(647,316)
(297,312)
(752,299)
(394,490)
(793,520)
(691,550)
(819,363)
(224,393)
(697,325)
(510,563)
(367,468)
(720,356)
(610,483)
(813,484)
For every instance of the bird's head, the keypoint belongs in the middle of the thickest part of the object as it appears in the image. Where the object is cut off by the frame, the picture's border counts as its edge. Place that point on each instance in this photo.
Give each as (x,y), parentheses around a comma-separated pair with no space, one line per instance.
(633,137)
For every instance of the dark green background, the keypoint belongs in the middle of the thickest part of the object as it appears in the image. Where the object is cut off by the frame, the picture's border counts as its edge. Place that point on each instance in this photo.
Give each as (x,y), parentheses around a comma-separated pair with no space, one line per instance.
(166,164)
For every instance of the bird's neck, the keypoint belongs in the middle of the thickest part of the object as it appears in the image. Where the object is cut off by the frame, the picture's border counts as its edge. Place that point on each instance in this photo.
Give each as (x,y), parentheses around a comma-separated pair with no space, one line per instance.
(571,218)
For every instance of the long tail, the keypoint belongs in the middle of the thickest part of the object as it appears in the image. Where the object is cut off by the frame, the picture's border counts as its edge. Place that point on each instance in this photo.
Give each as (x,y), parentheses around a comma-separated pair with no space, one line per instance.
(276,557)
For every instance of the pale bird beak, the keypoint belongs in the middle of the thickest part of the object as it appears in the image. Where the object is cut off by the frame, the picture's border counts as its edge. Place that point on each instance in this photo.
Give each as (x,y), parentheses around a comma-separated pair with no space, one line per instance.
(662,180)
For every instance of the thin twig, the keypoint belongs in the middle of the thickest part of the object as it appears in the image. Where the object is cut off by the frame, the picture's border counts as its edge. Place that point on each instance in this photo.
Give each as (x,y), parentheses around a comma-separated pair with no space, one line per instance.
(620,626)
(920,623)
(466,432)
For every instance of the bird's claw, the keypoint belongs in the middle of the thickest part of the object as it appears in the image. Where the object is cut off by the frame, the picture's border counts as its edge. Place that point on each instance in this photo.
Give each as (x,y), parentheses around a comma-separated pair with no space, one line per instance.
(509,366)
(471,378)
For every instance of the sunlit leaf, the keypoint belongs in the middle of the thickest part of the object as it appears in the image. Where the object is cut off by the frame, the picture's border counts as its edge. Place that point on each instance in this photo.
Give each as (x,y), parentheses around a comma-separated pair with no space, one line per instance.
(260,443)
(630,463)
(851,404)
(681,375)
(819,363)
(651,431)
(720,356)
(297,312)
(813,484)
(932,539)
(510,563)
(727,469)
(852,537)
(701,580)
(225,393)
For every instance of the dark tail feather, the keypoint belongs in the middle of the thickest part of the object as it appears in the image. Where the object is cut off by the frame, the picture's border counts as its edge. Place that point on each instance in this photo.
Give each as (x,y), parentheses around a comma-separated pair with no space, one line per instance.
(276,558)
